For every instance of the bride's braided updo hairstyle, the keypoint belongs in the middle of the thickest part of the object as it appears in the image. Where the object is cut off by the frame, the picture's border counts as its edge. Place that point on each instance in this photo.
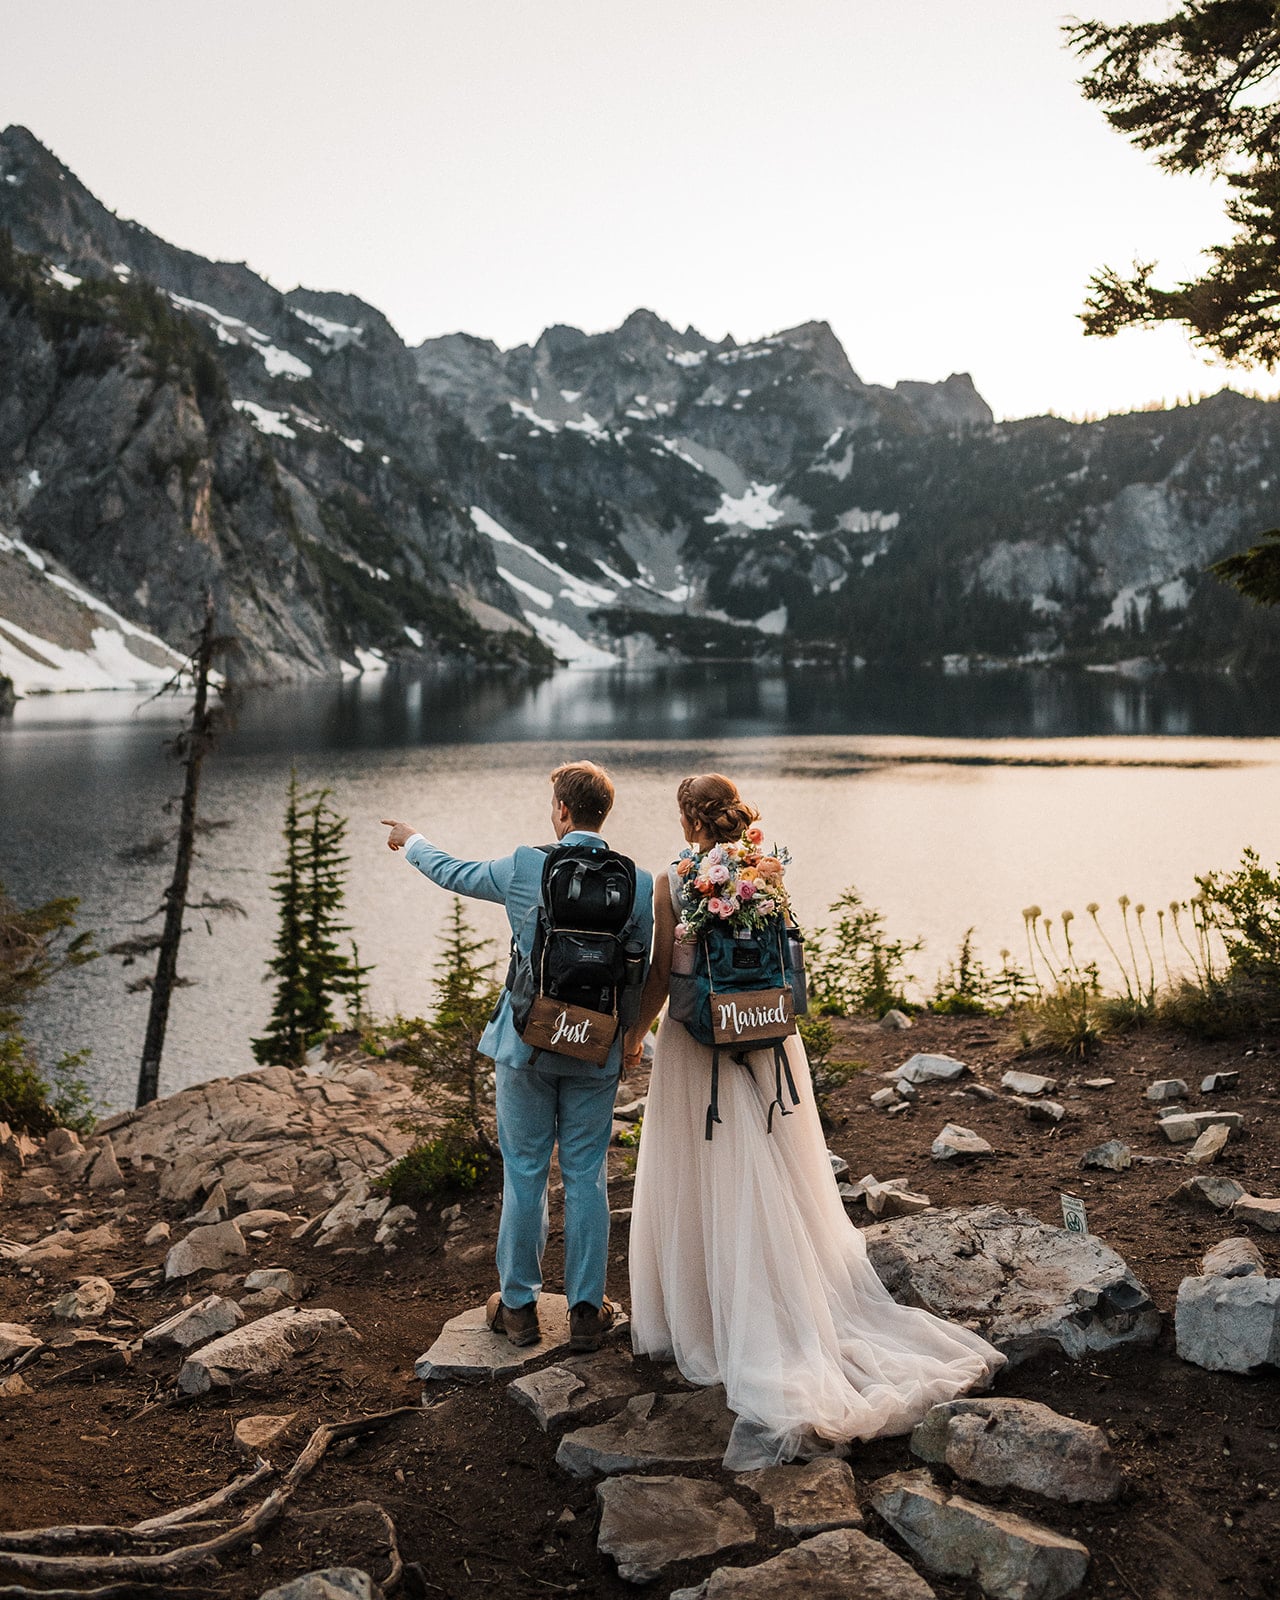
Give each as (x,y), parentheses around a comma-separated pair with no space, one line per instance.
(714,808)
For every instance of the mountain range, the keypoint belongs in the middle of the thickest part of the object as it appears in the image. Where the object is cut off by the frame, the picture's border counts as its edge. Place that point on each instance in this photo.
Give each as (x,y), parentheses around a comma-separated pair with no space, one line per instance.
(172,426)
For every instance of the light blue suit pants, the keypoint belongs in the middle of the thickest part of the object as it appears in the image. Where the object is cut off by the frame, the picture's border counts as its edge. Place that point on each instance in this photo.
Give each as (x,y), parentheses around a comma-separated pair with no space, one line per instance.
(535,1110)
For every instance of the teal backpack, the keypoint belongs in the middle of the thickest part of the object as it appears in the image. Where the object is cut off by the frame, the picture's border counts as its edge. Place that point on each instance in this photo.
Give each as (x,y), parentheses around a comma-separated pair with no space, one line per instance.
(741,991)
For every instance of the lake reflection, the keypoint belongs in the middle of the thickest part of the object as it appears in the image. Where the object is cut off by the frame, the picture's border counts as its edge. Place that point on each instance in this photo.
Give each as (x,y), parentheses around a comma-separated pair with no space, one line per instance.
(949,801)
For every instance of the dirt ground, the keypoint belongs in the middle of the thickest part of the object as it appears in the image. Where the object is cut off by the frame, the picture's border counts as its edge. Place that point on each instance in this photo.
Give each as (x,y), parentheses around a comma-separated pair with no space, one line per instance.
(468,1477)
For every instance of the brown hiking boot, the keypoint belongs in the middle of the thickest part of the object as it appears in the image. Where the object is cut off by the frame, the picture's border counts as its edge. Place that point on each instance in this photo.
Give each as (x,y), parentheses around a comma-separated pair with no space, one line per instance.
(588,1324)
(519,1323)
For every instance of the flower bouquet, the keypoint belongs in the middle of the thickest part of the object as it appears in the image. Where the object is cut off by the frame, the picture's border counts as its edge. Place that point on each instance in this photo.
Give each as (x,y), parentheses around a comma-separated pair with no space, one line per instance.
(737,884)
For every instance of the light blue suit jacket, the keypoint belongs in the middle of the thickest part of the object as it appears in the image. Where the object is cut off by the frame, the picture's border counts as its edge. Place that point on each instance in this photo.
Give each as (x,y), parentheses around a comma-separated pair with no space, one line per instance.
(516,882)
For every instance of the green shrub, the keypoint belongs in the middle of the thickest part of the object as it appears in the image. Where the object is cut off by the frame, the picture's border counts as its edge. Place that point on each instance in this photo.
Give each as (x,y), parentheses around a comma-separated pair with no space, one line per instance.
(452,1162)
(853,966)
(1068,1021)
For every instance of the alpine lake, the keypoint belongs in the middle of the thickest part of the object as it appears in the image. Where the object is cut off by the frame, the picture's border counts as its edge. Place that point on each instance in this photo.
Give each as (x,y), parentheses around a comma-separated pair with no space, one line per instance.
(951,802)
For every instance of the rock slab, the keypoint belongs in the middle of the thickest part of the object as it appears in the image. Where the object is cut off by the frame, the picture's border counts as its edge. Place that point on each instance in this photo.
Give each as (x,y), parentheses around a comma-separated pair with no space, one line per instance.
(467,1349)
(15,1340)
(333,1583)
(1113,1156)
(554,1393)
(840,1565)
(204,1250)
(260,1347)
(1264,1214)
(814,1498)
(955,1143)
(1229,1324)
(651,1430)
(1019,1444)
(1184,1126)
(647,1524)
(922,1068)
(90,1299)
(1233,1258)
(195,1324)
(1028,1287)
(1009,1557)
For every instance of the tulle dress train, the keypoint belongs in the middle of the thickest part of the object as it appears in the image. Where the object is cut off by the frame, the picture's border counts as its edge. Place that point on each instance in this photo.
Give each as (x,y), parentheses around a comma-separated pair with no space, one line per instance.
(746,1270)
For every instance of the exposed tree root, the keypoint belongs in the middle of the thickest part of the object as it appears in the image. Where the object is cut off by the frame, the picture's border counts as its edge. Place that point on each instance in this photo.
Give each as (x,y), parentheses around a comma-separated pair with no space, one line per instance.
(157,1567)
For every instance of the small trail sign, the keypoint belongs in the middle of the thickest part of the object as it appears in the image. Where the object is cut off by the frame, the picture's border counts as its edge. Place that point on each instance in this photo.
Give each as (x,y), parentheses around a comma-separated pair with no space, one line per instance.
(1074,1219)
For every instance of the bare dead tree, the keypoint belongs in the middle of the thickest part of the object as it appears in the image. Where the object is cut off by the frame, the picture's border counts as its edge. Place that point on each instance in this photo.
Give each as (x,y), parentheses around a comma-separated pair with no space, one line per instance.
(191,746)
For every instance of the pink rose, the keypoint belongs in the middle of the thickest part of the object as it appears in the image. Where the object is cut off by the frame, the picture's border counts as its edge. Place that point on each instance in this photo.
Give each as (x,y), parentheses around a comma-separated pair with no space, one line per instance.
(727,908)
(716,906)
(746,889)
(719,873)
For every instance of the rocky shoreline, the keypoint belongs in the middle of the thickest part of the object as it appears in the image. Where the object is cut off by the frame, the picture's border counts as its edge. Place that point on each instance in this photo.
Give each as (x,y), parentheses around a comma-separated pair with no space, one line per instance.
(196,1297)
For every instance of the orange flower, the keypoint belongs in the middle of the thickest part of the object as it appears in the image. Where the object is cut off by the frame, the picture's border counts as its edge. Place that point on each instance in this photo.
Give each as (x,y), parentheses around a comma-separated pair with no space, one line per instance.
(770,867)
(685,867)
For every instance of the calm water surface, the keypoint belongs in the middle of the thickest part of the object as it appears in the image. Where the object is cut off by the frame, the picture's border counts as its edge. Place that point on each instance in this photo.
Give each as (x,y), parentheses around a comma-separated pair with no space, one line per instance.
(950,802)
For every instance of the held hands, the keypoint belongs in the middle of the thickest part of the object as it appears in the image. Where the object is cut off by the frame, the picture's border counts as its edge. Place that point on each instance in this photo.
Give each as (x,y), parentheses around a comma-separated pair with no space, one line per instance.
(632,1051)
(400,833)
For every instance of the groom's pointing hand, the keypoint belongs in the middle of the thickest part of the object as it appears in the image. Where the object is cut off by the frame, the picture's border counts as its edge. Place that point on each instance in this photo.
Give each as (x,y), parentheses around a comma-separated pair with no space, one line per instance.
(400,833)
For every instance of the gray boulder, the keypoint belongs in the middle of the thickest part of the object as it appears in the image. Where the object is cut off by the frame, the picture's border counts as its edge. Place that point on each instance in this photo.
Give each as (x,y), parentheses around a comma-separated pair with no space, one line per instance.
(333,1583)
(1209,1146)
(15,1340)
(204,1250)
(1264,1214)
(1009,1557)
(1019,1444)
(1026,1286)
(841,1565)
(648,1524)
(922,1068)
(90,1299)
(1113,1156)
(651,1430)
(195,1324)
(955,1143)
(1028,1083)
(1233,1258)
(105,1171)
(1211,1190)
(1229,1324)
(1166,1089)
(1185,1126)
(260,1347)
(1216,1082)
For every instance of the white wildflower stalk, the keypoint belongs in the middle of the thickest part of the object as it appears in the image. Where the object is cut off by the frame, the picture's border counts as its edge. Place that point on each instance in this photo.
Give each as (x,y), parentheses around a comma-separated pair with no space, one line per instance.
(1092,909)
(1124,904)
(1139,912)
(1164,950)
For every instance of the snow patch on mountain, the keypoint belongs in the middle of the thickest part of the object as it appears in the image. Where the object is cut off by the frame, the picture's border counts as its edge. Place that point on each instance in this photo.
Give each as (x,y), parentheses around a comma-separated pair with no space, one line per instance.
(751,509)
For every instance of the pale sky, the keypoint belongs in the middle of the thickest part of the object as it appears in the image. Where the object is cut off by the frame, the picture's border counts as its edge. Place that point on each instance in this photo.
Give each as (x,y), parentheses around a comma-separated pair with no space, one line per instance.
(923,175)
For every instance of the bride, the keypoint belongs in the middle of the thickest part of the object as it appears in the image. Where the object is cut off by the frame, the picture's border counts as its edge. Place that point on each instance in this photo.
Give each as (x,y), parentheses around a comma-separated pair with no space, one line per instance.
(744,1266)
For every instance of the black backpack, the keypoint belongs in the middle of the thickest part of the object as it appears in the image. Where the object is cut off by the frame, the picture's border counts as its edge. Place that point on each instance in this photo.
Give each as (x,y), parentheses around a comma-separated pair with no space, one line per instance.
(581,982)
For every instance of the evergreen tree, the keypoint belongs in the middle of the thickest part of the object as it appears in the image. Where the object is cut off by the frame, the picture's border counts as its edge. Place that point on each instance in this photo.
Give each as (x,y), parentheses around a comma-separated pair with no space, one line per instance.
(1200,89)
(312,970)
(1255,572)
(37,943)
(446,1051)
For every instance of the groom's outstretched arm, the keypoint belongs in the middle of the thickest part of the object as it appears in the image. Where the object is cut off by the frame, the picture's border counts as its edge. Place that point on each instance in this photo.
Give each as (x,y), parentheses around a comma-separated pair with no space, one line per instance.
(481,880)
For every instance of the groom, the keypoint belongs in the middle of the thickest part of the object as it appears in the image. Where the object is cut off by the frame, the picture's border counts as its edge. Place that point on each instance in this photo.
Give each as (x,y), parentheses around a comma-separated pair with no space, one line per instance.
(544,1099)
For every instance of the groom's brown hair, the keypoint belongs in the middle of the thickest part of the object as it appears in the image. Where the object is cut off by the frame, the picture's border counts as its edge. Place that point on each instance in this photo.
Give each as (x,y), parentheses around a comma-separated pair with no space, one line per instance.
(586,789)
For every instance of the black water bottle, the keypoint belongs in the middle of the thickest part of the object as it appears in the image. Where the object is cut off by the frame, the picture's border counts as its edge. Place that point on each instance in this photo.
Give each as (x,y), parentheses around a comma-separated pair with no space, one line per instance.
(795,971)
(634,956)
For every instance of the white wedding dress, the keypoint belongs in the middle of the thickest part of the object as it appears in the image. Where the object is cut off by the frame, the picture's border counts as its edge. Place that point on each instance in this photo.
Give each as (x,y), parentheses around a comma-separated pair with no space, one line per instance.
(746,1270)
